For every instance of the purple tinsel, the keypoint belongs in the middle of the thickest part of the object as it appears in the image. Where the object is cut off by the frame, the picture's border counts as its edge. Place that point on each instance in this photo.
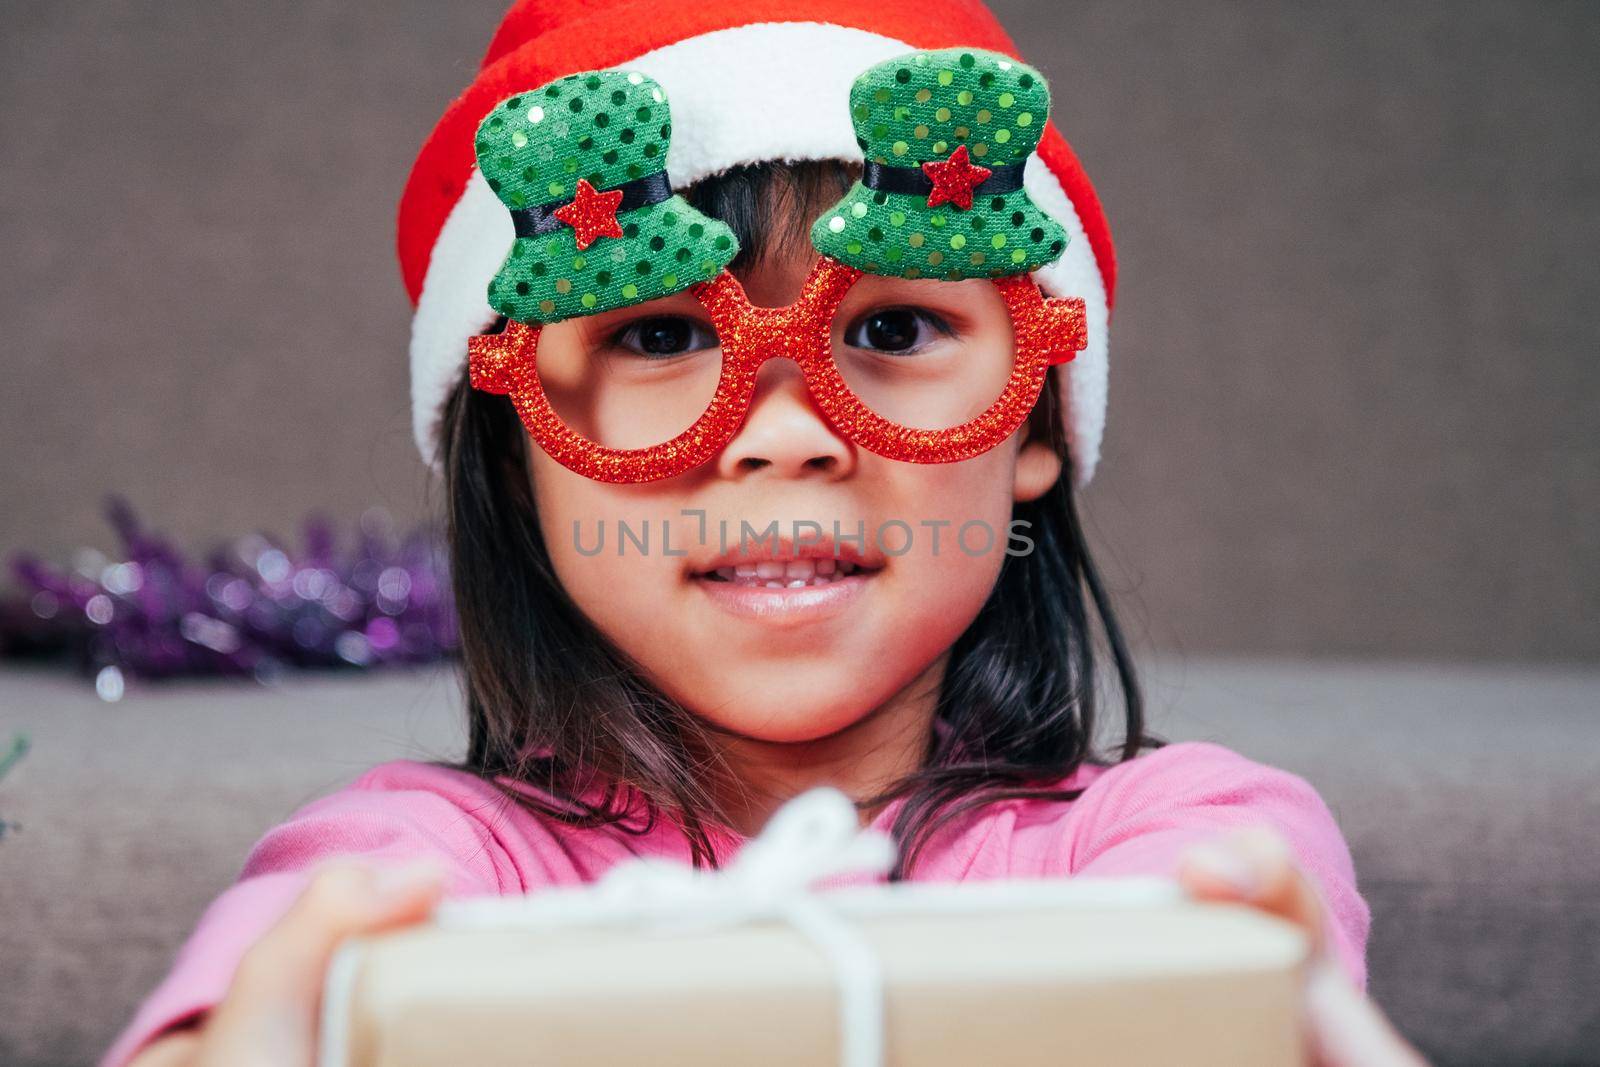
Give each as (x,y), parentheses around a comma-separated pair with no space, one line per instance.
(254,608)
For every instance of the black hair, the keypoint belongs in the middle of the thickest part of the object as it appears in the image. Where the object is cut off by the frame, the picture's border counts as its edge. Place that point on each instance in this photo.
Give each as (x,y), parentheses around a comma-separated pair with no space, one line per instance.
(553,705)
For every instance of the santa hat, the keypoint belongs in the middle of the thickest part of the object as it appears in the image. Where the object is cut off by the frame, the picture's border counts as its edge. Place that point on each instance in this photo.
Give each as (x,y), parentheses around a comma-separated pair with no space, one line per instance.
(749,81)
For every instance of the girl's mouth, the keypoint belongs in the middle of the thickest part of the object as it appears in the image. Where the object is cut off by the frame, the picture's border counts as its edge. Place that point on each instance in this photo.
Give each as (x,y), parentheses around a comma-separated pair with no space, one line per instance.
(787,574)
(786,584)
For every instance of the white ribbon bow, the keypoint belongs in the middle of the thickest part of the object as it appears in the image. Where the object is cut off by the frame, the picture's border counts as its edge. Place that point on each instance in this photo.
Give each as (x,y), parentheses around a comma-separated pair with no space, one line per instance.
(815,835)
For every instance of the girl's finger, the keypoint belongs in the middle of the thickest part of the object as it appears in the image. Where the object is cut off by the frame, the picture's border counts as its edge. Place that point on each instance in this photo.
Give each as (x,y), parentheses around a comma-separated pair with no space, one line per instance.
(344,899)
(1347,1029)
(269,1015)
(1255,866)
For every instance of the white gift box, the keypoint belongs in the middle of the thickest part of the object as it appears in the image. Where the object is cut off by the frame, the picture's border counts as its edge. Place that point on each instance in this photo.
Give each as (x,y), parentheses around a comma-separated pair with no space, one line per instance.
(658,964)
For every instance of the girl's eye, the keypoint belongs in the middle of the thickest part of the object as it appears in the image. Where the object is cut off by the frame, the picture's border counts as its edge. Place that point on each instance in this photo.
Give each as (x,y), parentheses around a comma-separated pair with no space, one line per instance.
(896,330)
(666,335)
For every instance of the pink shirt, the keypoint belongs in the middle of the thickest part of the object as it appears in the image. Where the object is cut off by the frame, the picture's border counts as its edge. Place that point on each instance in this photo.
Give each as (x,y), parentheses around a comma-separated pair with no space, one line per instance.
(1136,818)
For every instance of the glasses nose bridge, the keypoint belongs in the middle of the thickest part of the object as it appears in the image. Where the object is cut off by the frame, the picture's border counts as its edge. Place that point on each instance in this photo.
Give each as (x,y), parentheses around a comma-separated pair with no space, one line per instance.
(777,333)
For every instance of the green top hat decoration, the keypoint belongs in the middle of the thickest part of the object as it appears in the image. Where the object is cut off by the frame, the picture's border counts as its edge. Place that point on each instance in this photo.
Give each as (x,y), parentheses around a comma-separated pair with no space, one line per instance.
(946,134)
(580,163)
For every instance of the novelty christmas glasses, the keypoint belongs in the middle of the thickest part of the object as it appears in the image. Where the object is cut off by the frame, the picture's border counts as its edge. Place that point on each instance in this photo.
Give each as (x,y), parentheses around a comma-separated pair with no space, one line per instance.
(920,334)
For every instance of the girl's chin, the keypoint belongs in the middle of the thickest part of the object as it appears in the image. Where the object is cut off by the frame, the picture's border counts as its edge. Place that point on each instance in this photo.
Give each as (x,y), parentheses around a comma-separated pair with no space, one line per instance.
(785,725)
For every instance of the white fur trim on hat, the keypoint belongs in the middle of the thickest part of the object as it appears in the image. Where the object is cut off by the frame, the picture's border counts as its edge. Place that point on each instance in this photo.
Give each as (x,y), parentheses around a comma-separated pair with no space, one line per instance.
(770,91)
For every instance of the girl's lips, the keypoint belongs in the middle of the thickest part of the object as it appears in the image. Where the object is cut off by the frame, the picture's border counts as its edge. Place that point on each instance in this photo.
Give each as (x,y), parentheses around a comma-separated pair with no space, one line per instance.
(789,591)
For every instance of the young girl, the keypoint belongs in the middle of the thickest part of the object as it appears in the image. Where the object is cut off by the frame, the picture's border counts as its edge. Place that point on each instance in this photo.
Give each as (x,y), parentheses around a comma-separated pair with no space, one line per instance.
(694,580)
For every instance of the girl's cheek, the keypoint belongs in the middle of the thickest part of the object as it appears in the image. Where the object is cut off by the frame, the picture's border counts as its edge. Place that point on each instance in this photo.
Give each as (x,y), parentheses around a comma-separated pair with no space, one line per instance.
(594,530)
(956,516)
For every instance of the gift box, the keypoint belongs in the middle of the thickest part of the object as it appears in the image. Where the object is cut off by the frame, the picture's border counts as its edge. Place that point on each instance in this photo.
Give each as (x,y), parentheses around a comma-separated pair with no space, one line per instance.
(663,965)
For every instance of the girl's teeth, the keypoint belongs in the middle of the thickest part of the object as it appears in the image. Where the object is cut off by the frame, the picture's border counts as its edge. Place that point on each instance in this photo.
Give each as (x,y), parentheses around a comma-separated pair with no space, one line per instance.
(787,574)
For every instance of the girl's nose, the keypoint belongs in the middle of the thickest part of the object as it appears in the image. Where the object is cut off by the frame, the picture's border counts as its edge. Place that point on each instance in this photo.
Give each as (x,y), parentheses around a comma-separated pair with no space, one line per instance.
(784,433)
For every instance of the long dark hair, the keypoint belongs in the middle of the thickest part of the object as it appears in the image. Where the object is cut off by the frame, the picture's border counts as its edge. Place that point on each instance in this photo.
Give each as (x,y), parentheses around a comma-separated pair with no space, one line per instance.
(558,710)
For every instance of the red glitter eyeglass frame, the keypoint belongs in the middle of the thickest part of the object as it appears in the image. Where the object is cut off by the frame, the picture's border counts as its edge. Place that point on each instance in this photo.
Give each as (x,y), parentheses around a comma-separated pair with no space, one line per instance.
(1046,331)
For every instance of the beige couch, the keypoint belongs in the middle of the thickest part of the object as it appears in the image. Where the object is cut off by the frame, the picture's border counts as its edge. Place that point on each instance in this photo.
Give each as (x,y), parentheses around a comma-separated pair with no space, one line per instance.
(1471,798)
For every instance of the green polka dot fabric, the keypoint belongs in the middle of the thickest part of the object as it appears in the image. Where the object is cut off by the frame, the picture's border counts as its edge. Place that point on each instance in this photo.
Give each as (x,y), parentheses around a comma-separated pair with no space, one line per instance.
(607,128)
(919,108)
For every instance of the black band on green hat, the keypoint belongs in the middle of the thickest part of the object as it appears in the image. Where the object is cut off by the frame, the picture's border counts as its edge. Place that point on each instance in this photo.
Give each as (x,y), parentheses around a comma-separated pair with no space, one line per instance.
(914,181)
(638,193)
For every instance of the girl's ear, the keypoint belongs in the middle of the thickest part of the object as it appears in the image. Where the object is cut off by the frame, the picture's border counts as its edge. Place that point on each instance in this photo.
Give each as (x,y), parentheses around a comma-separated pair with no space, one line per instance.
(1039,465)
(1040,460)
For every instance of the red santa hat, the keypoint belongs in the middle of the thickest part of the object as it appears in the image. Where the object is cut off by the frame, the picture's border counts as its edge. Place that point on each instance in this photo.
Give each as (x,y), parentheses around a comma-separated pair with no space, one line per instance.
(749,81)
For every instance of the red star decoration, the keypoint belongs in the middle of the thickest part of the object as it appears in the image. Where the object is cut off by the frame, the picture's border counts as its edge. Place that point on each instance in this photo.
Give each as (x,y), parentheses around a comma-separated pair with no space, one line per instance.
(592,215)
(954,179)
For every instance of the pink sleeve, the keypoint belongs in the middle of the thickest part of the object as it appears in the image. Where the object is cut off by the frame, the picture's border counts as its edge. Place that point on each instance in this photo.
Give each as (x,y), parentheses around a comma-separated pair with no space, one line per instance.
(393,814)
(1144,814)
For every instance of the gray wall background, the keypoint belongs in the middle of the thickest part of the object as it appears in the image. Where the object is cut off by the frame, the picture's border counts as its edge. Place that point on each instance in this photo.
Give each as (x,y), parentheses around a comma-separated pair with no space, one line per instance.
(1354,357)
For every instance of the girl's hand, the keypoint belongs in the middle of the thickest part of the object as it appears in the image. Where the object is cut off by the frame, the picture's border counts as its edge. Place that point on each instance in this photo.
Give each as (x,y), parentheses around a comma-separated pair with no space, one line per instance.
(269,1017)
(1256,867)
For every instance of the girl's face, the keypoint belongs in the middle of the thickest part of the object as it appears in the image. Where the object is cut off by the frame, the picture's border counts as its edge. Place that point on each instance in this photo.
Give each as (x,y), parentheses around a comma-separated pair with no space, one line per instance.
(796,632)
